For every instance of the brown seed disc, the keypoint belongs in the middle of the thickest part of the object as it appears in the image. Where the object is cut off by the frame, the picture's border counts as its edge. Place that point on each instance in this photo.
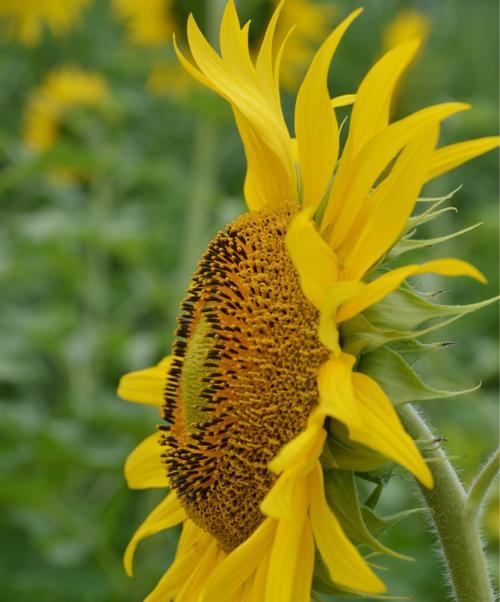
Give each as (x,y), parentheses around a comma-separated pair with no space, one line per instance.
(244,376)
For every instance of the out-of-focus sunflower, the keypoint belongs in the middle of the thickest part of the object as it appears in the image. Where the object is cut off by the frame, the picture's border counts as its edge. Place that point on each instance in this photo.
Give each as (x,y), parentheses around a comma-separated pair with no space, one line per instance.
(265,398)
(148,22)
(63,90)
(408,23)
(25,20)
(167,78)
(311,24)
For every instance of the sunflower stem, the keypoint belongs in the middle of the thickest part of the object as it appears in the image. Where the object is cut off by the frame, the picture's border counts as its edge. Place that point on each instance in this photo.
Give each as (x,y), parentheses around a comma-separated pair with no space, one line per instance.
(457,529)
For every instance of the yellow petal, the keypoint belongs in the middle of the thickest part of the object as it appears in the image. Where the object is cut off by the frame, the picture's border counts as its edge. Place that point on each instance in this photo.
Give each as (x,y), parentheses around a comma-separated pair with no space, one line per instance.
(390,281)
(383,431)
(449,157)
(313,259)
(264,125)
(345,564)
(305,568)
(167,514)
(194,582)
(267,74)
(316,126)
(344,100)
(370,113)
(234,45)
(336,394)
(180,570)
(143,467)
(338,294)
(191,69)
(304,450)
(145,386)
(239,565)
(303,446)
(258,590)
(267,181)
(286,553)
(358,174)
(190,536)
(389,207)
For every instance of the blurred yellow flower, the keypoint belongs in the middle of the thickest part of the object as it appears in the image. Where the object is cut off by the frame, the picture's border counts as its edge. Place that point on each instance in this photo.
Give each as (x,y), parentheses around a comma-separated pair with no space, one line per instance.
(62,90)
(25,19)
(148,22)
(408,23)
(169,79)
(311,24)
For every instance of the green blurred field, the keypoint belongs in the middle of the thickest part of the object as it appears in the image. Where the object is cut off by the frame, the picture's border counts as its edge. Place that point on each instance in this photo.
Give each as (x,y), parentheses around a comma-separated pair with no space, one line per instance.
(92,272)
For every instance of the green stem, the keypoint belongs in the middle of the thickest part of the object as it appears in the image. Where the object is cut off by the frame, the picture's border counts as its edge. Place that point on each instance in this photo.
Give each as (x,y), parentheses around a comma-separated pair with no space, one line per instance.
(457,530)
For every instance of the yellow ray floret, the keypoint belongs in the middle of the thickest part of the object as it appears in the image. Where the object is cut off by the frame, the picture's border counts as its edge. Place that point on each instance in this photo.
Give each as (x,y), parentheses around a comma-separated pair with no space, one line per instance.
(143,468)
(167,514)
(146,386)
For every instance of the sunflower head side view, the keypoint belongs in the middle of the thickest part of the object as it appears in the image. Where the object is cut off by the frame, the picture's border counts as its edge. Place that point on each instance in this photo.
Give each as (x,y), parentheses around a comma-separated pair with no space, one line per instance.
(274,393)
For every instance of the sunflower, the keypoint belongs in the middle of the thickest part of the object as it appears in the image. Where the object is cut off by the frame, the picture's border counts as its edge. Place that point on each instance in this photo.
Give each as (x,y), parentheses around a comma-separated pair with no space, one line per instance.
(26,19)
(265,389)
(148,22)
(63,90)
(407,24)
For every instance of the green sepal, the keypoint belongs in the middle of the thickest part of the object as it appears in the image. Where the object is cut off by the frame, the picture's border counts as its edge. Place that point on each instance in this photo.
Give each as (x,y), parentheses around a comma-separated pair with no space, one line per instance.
(378,524)
(322,584)
(407,244)
(374,496)
(412,350)
(342,454)
(379,476)
(342,496)
(440,199)
(432,212)
(427,216)
(396,317)
(405,309)
(360,335)
(398,379)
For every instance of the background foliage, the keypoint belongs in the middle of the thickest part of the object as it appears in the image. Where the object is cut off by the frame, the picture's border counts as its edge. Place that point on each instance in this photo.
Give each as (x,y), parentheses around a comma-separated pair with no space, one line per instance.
(92,271)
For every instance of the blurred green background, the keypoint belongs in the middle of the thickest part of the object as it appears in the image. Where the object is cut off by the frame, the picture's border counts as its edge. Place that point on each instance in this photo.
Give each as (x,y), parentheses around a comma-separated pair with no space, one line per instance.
(100,230)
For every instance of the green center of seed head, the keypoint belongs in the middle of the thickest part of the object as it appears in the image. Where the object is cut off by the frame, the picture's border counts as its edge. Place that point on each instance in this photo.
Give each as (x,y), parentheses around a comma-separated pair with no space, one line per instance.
(194,372)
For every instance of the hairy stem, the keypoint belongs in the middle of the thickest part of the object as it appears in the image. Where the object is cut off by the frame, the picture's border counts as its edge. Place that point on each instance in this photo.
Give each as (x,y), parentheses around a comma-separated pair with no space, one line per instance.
(456,528)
